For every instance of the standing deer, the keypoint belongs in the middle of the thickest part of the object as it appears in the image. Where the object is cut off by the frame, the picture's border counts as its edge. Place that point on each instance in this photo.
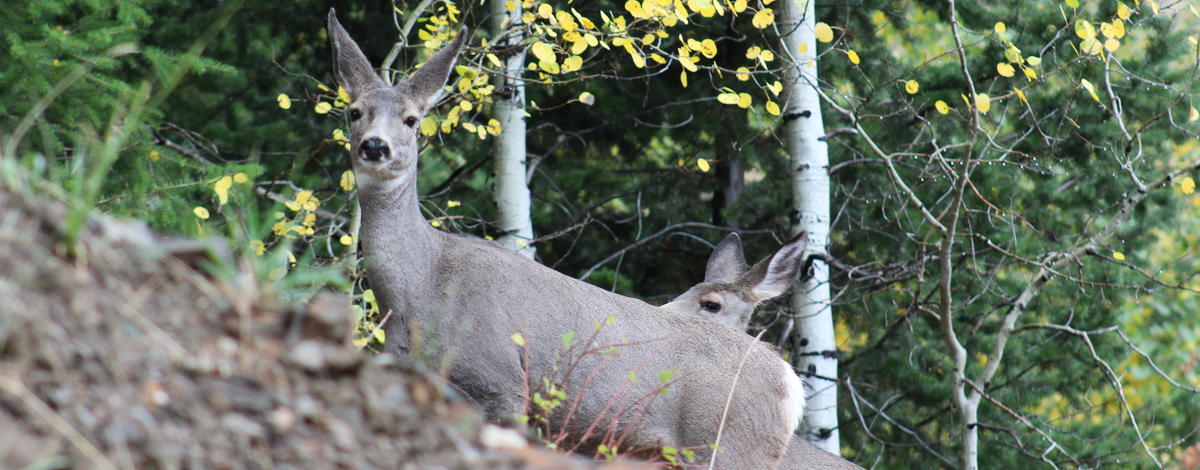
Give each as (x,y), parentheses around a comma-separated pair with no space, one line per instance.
(730,292)
(469,298)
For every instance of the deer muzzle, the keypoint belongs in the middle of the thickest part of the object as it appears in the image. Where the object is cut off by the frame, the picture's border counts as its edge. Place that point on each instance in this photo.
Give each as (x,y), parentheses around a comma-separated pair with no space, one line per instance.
(373,149)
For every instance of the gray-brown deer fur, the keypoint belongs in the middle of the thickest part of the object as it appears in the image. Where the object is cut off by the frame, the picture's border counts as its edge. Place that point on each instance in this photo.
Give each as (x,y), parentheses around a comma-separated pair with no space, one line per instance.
(729,294)
(469,296)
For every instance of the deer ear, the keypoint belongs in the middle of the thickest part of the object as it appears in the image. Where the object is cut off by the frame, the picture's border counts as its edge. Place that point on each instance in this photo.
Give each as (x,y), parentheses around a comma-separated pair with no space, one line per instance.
(426,83)
(351,68)
(727,263)
(772,276)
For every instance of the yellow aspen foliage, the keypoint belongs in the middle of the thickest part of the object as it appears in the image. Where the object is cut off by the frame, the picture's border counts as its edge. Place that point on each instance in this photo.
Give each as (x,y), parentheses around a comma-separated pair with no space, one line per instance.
(200,212)
(284,101)
(823,32)
(347,180)
(763,18)
(1020,95)
(983,102)
(744,100)
(702,164)
(773,108)
(912,87)
(853,56)
(941,107)
(999,28)
(1004,69)
(1117,255)
(322,107)
(222,189)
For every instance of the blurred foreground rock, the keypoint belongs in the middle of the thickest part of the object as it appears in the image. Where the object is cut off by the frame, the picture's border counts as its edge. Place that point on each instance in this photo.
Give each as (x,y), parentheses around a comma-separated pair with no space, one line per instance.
(124,356)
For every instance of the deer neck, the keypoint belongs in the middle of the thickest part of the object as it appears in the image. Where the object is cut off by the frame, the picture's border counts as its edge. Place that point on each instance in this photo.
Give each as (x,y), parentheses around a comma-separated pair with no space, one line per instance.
(401,248)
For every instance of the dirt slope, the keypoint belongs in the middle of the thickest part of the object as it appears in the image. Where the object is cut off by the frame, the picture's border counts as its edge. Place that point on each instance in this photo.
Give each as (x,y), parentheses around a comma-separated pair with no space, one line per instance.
(124,357)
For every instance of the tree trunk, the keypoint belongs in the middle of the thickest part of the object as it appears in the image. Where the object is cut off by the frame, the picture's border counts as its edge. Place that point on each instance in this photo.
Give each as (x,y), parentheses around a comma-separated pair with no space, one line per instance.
(730,176)
(813,342)
(511,188)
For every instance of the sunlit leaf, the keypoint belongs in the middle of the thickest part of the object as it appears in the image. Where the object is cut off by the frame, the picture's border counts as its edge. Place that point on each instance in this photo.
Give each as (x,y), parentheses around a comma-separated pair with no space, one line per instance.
(773,108)
(200,212)
(1084,29)
(1117,255)
(284,101)
(1034,61)
(941,107)
(702,164)
(322,107)
(519,339)
(240,178)
(853,56)
(543,51)
(1187,185)
(1073,3)
(1193,114)
(258,247)
(1111,45)
(1004,69)
(728,98)
(1020,94)
(823,32)
(744,100)
(347,180)
(764,18)
(587,98)
(999,28)
(1122,11)
(222,189)
(912,87)
(983,102)
(346,240)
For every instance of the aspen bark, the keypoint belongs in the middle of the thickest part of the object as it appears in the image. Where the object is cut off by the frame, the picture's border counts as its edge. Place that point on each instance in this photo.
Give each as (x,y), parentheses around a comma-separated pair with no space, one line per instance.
(511,190)
(813,340)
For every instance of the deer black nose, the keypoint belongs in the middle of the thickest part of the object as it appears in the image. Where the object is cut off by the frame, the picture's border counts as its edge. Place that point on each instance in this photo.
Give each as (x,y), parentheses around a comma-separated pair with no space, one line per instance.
(374,149)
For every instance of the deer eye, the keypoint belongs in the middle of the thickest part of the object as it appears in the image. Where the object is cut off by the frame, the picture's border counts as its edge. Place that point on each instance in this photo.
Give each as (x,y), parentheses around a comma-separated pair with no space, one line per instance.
(710,306)
(355,114)
(410,121)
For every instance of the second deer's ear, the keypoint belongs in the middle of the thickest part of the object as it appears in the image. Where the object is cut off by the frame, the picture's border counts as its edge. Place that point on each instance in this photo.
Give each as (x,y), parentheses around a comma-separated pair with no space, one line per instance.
(351,68)
(426,83)
(727,263)
(772,276)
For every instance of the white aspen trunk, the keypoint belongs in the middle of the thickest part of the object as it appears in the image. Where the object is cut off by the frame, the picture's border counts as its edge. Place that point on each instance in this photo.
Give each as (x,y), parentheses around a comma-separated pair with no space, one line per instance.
(814,340)
(511,189)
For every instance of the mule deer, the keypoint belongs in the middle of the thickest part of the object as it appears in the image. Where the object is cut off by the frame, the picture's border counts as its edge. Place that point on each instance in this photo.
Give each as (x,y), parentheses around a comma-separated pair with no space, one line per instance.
(469,297)
(730,292)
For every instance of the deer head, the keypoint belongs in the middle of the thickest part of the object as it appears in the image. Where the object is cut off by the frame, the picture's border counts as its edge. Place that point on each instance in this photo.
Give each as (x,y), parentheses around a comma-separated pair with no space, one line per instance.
(732,289)
(385,120)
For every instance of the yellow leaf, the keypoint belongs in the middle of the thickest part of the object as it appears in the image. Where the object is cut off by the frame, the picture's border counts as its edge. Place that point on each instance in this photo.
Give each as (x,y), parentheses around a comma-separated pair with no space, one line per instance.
(452,203)
(744,100)
(548,66)
(435,223)
(587,98)
(154,155)
(1004,69)
(240,177)
(346,240)
(200,212)
(1193,114)
(284,101)
(1111,45)
(739,6)
(1187,185)
(982,358)
(823,32)
(429,127)
(763,18)
(258,247)
(683,78)
(1073,3)
(347,180)
(702,164)
(752,52)
(1118,29)
(728,98)
(742,74)
(941,106)
(1029,73)
(708,48)
(635,9)
(339,135)
(494,60)
(1154,7)
(493,127)
(1084,29)
(853,56)
(380,335)
(1091,46)
(343,95)
(322,107)
(519,339)
(912,87)
(983,102)
(1087,85)
(773,108)
(776,87)
(544,52)
(1034,61)
(766,56)
(1020,95)
(1117,255)
(360,342)
(222,189)
(545,11)
(572,63)
(1000,28)
(1122,11)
